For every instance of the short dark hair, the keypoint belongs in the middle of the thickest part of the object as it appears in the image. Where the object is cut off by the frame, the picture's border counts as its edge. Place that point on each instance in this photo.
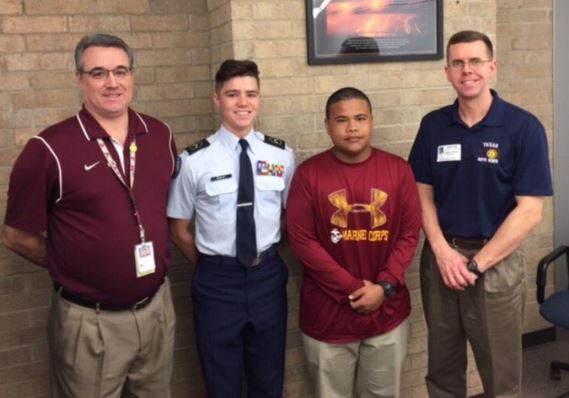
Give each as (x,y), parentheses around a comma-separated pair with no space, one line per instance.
(469,36)
(101,40)
(343,94)
(231,68)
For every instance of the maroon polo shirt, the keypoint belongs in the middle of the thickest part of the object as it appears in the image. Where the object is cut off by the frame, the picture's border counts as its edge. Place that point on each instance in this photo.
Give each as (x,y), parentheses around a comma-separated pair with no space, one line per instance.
(61,184)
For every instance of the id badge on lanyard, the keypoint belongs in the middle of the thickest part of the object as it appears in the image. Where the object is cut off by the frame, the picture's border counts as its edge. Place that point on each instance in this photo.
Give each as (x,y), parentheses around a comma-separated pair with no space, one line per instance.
(144,251)
(144,259)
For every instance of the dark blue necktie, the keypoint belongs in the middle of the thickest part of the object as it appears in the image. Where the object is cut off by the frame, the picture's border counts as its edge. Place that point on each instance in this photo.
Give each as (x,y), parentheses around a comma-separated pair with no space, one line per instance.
(246,238)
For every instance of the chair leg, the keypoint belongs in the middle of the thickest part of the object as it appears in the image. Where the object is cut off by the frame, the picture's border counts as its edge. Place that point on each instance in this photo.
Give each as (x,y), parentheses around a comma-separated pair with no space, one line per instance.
(555,368)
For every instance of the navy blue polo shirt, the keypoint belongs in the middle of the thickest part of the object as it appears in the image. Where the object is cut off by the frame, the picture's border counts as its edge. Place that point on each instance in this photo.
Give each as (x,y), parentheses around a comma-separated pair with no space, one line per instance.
(477,171)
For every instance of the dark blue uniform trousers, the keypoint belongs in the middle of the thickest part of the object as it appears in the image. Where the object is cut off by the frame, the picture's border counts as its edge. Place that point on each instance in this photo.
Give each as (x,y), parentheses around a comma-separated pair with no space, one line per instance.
(240,324)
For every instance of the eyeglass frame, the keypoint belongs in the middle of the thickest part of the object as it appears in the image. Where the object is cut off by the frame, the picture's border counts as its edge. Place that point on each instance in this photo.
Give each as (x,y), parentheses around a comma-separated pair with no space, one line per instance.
(107,72)
(473,63)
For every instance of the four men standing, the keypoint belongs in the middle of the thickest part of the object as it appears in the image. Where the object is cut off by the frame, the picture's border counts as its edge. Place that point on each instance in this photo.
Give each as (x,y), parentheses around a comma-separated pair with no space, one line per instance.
(88,197)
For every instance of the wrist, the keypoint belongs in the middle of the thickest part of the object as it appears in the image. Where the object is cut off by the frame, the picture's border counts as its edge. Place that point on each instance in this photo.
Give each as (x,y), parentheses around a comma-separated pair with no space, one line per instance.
(473,267)
(389,289)
(440,247)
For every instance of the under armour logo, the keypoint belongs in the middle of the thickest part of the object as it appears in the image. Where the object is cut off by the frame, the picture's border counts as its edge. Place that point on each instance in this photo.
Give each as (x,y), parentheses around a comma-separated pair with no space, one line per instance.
(340,201)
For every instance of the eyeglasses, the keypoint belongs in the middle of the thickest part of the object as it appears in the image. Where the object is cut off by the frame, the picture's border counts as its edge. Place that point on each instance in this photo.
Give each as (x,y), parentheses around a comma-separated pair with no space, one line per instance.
(120,72)
(474,63)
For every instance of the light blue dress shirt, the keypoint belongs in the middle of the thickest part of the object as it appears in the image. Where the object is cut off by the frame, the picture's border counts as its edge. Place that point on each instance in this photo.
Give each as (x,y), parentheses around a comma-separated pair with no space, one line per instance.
(206,189)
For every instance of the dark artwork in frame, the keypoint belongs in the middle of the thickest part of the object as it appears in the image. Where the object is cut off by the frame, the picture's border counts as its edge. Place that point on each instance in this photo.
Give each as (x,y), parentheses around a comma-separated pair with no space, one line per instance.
(357,31)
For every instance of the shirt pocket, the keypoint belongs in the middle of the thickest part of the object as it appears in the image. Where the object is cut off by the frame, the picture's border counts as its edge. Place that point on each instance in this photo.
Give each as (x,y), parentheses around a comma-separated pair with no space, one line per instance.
(269,189)
(220,195)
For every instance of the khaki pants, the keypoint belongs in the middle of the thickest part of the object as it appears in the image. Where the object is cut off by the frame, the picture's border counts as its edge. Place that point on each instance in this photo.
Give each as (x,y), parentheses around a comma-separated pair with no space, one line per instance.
(364,369)
(488,314)
(97,354)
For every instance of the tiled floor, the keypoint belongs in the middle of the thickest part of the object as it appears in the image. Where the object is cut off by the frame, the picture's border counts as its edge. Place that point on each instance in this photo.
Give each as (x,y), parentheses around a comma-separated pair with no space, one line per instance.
(536,381)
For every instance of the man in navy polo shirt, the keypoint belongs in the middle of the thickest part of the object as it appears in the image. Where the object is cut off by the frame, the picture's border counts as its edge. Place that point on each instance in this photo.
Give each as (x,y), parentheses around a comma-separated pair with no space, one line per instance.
(87,200)
(482,173)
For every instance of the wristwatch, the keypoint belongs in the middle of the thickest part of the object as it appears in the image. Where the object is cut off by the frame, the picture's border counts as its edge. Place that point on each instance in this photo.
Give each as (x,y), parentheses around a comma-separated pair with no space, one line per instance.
(388,288)
(472,266)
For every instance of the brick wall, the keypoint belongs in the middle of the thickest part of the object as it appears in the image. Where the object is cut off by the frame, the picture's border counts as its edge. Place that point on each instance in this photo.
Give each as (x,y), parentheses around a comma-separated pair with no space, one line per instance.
(525,70)
(179,44)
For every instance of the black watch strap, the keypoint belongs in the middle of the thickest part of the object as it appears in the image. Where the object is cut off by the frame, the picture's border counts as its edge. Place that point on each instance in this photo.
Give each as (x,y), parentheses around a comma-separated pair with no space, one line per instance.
(388,288)
(472,266)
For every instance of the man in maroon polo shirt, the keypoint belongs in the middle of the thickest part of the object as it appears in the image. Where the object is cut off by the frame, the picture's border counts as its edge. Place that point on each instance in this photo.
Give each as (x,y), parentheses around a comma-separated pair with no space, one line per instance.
(87,200)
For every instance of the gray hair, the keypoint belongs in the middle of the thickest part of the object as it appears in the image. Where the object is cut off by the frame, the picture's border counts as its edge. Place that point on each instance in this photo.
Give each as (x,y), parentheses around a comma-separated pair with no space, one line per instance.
(101,40)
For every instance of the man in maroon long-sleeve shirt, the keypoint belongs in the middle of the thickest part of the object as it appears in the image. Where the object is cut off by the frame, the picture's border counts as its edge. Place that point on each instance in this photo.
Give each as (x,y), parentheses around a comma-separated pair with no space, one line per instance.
(353,221)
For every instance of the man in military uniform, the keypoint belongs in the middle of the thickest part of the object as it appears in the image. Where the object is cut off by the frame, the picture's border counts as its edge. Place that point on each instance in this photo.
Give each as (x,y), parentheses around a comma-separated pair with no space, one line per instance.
(235,184)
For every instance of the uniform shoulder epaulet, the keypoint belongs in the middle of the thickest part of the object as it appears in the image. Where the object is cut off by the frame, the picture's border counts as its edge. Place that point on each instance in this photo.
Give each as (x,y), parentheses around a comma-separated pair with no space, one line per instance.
(196,146)
(177,167)
(274,141)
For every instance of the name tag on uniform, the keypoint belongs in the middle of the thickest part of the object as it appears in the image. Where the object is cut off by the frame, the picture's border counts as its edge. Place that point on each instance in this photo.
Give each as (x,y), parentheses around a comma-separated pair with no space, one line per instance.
(448,153)
(222,177)
(144,259)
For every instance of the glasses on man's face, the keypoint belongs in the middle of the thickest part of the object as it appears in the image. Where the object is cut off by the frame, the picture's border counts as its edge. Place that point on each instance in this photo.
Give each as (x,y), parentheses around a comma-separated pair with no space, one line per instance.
(473,63)
(120,72)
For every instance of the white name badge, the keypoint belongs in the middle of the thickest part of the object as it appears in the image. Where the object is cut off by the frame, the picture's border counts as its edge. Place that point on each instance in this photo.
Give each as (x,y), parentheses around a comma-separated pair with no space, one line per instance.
(144,259)
(448,153)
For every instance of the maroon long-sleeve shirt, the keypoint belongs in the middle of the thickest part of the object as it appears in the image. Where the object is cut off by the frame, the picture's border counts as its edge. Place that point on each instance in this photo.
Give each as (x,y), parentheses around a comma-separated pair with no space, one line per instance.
(347,223)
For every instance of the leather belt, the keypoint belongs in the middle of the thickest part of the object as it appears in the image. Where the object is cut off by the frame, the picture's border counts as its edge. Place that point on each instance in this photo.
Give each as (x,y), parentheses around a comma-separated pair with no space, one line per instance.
(466,244)
(85,302)
(267,255)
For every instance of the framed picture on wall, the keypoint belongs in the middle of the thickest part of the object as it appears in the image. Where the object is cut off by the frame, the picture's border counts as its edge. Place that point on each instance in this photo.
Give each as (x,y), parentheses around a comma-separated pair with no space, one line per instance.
(356,31)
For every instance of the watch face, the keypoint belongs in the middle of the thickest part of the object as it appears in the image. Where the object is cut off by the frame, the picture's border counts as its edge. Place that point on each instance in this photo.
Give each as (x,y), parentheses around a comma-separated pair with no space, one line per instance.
(388,289)
(473,267)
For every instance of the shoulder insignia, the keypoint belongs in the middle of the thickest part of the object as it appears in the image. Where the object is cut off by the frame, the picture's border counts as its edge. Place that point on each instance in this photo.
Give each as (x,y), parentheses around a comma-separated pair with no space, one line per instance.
(274,141)
(196,146)
(177,167)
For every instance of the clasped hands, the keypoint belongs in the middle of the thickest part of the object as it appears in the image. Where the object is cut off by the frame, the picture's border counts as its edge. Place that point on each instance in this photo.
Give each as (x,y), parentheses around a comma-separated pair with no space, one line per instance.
(367,298)
(455,274)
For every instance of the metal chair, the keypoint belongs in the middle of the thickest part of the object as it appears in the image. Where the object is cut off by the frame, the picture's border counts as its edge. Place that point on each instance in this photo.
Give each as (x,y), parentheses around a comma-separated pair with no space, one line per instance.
(554,308)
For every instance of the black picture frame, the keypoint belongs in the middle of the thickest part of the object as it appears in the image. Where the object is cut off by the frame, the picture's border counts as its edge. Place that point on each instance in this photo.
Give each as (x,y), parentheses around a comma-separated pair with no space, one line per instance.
(359,31)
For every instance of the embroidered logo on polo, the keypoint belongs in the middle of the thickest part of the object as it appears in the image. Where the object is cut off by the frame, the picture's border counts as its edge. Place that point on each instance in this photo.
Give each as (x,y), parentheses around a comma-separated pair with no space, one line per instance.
(340,217)
(88,167)
(266,168)
(490,153)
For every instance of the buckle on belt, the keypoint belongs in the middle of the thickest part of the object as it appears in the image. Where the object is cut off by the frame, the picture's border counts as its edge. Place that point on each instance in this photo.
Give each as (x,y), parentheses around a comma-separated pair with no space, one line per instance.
(264,256)
(257,260)
(141,304)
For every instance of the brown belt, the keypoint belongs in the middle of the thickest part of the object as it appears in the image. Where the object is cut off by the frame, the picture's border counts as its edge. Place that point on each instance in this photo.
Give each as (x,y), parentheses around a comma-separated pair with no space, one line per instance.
(466,244)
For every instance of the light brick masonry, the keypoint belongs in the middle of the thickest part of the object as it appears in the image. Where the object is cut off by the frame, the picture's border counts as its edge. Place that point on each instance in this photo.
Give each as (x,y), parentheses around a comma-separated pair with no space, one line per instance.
(179,44)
